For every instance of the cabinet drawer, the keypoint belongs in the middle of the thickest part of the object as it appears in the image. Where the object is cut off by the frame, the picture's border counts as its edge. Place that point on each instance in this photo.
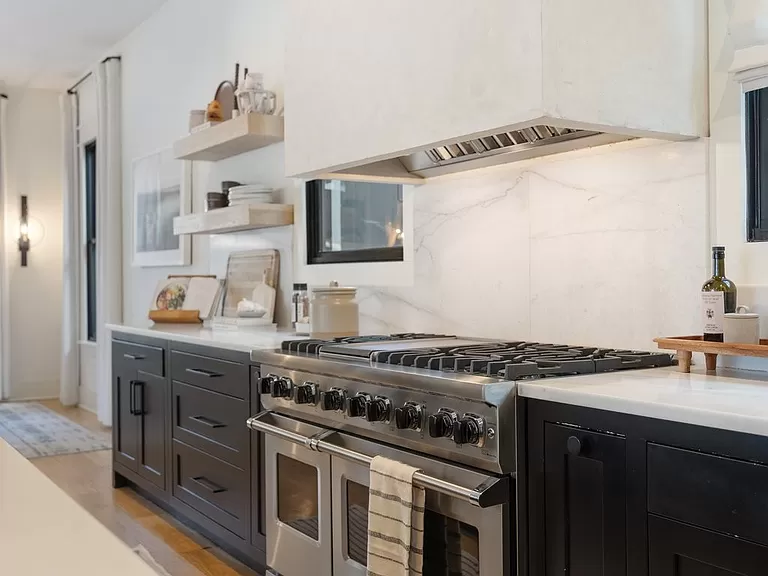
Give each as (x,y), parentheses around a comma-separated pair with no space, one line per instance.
(212,373)
(212,422)
(722,494)
(147,359)
(214,488)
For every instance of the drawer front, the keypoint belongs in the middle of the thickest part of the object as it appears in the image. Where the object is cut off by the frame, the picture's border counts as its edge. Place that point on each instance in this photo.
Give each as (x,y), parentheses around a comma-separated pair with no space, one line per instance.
(218,375)
(147,359)
(721,494)
(214,488)
(212,422)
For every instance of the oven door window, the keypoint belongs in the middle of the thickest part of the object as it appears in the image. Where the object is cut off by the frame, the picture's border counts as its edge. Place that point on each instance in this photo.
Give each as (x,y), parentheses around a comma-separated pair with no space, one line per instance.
(450,546)
(297,498)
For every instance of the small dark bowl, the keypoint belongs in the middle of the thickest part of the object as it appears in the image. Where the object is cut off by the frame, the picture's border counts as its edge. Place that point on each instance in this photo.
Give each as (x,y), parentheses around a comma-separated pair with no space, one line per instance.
(227,184)
(216,200)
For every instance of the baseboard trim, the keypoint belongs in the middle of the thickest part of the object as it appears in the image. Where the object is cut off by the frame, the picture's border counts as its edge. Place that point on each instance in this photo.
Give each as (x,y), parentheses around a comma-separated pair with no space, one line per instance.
(31,398)
(87,408)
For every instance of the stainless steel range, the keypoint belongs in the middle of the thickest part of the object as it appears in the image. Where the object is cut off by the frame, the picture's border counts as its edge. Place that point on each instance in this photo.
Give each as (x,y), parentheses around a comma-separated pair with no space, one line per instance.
(440,403)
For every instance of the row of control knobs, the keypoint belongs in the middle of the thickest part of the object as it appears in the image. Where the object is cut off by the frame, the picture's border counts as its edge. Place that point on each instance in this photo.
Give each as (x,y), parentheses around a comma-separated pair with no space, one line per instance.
(467,429)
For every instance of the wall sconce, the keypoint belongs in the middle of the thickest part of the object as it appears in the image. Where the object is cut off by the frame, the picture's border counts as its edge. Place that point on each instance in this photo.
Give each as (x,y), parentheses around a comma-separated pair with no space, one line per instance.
(24,232)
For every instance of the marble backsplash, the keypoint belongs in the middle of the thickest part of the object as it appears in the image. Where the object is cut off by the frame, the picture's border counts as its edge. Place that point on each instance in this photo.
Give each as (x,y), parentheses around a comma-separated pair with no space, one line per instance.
(603,247)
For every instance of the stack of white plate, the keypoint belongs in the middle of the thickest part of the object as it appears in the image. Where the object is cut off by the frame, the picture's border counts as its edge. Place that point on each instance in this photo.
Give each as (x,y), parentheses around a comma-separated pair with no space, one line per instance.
(250,194)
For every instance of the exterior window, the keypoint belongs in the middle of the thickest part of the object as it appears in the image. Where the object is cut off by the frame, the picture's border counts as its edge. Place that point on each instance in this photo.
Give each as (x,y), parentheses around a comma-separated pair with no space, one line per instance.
(90,239)
(756,138)
(354,222)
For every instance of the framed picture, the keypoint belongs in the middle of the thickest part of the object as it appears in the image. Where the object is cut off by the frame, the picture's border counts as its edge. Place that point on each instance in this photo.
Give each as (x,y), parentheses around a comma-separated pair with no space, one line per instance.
(162,190)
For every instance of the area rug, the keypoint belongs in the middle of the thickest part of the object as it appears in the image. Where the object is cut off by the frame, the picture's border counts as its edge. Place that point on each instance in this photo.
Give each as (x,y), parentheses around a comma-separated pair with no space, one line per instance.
(37,431)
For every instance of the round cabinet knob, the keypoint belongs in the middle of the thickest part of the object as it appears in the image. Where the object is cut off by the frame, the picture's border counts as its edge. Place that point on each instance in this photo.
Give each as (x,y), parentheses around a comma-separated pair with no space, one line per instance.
(440,425)
(574,446)
(356,406)
(408,418)
(304,394)
(467,430)
(281,388)
(377,410)
(332,400)
(266,383)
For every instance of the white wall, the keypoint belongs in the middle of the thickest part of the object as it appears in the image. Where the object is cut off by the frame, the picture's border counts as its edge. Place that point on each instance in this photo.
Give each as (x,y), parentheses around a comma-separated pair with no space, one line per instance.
(171,64)
(35,170)
(603,247)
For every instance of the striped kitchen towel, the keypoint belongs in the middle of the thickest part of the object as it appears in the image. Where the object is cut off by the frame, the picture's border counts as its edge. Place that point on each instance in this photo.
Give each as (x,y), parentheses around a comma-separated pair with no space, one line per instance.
(395,520)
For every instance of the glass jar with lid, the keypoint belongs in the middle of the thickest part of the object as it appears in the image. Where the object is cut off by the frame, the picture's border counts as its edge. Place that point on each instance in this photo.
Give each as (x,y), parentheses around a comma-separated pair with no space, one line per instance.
(334,312)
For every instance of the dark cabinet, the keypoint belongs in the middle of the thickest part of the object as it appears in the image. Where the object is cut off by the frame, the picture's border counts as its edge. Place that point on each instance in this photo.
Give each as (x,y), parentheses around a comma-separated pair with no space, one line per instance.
(677,549)
(151,412)
(125,425)
(258,484)
(585,502)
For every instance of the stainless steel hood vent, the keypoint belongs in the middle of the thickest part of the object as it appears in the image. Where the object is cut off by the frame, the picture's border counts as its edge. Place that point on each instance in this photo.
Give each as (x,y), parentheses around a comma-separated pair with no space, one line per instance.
(503,147)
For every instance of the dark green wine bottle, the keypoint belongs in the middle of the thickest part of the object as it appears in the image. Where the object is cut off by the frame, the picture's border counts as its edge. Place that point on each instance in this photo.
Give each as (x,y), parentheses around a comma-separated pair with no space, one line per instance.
(718,297)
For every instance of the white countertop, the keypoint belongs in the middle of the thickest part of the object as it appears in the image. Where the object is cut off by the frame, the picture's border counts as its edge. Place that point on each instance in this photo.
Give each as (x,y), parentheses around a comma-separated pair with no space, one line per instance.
(731,400)
(44,531)
(241,340)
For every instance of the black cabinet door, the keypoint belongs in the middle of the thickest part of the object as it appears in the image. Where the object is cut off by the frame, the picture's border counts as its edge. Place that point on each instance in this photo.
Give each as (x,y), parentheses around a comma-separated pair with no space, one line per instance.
(150,400)
(125,429)
(677,549)
(586,502)
(258,487)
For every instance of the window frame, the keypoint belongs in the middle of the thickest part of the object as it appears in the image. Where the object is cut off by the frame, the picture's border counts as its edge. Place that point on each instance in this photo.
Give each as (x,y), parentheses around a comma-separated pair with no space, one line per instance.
(89,239)
(316,255)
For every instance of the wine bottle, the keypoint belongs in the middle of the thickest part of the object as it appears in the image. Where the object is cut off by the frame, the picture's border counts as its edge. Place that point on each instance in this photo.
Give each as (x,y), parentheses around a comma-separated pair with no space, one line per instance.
(718,297)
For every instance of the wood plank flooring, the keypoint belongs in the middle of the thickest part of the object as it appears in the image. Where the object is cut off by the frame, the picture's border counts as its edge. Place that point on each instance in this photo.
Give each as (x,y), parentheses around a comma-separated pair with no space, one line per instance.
(87,478)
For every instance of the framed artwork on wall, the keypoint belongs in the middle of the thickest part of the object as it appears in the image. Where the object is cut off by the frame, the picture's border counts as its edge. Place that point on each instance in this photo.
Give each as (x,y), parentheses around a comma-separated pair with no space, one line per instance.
(162,190)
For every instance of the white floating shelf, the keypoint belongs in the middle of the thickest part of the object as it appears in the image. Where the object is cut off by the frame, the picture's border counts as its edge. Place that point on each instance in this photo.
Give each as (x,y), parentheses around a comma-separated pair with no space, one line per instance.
(237,136)
(234,219)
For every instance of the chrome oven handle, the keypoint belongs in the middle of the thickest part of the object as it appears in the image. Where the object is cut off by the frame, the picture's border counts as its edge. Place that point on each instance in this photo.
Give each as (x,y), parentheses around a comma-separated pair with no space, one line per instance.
(492,492)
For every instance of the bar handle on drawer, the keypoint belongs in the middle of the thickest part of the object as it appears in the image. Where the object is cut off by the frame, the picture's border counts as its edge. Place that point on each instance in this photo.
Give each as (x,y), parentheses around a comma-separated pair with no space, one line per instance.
(201,372)
(132,357)
(212,487)
(207,422)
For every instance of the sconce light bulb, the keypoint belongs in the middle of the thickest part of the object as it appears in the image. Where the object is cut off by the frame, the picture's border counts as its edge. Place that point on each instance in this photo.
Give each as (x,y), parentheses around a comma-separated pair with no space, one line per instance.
(24,229)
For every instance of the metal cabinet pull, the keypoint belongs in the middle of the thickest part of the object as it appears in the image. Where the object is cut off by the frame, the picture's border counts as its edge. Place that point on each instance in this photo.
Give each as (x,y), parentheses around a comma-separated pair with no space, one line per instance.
(207,422)
(492,492)
(206,373)
(132,357)
(137,401)
(212,487)
(574,446)
(132,397)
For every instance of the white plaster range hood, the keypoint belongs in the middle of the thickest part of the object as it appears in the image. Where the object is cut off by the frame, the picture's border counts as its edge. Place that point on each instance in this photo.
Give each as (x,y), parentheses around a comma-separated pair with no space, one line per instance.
(405,90)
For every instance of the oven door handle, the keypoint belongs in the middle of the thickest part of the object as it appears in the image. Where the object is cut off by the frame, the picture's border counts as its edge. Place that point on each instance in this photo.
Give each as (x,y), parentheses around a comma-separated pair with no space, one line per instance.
(491,492)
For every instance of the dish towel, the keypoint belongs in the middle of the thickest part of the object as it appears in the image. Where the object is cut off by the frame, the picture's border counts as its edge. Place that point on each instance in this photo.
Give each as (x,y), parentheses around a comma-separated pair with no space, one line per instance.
(395,520)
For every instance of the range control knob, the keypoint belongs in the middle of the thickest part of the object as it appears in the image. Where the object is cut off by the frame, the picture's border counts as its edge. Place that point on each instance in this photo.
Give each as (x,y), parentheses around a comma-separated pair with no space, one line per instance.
(377,410)
(266,383)
(468,429)
(305,394)
(408,417)
(333,399)
(281,388)
(441,424)
(356,405)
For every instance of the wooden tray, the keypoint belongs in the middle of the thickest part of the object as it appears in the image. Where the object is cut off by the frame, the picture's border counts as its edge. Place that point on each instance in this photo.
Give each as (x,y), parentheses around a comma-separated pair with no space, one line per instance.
(687,345)
(175,316)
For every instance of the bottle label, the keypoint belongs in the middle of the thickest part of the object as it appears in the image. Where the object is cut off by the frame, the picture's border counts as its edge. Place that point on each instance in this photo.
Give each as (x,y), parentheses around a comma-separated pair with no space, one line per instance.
(713,311)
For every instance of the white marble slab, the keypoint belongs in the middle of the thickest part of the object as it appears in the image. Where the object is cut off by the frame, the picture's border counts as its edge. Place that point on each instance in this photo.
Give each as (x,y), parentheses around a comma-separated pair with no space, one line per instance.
(733,400)
(44,531)
(241,340)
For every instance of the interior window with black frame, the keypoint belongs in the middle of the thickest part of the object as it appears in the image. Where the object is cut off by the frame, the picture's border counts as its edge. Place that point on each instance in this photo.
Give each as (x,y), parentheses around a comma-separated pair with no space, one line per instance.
(756,139)
(354,222)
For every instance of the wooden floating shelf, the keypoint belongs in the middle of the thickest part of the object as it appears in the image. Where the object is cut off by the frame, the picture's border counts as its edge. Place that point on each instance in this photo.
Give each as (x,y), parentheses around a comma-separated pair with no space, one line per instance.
(237,136)
(687,345)
(234,219)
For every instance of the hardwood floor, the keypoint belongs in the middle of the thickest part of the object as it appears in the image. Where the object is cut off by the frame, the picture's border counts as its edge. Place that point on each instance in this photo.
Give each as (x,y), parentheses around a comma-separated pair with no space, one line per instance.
(87,478)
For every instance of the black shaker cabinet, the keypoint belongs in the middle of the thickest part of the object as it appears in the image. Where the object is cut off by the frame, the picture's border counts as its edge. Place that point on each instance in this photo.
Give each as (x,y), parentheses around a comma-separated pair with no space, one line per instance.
(180,437)
(609,494)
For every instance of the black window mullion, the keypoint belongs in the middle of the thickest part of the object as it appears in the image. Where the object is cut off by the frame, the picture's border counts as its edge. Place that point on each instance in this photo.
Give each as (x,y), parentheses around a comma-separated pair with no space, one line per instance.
(90,239)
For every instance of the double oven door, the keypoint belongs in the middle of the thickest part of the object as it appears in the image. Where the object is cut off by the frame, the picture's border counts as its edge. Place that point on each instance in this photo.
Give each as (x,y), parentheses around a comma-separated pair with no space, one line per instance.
(317,507)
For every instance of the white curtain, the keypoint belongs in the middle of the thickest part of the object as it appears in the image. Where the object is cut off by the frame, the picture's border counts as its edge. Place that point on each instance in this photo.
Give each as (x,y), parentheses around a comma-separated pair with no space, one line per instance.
(5,325)
(109,199)
(69,385)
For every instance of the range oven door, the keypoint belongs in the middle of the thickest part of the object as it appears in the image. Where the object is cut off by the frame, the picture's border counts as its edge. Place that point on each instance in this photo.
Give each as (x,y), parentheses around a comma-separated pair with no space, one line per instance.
(298,504)
(468,521)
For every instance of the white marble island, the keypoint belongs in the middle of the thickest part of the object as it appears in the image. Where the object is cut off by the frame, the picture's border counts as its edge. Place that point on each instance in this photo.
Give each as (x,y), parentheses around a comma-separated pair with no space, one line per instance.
(44,531)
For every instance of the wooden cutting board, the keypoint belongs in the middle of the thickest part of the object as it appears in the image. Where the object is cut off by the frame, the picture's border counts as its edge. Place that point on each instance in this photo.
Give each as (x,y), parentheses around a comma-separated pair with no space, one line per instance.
(245,272)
